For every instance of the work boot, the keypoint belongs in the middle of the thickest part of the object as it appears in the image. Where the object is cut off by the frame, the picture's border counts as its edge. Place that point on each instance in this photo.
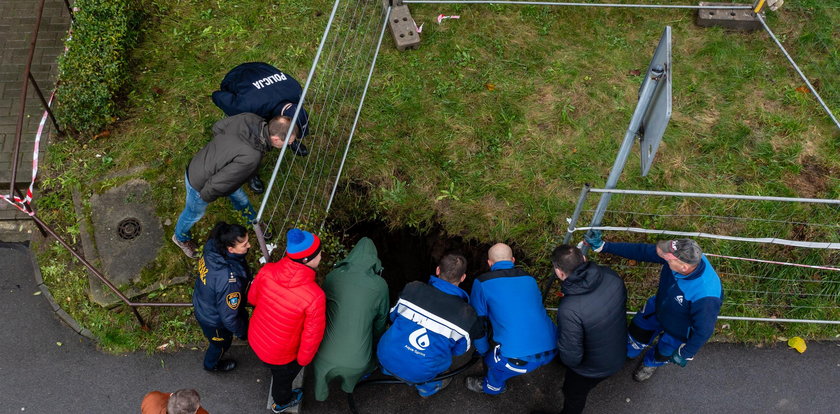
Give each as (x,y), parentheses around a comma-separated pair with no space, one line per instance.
(475,384)
(298,148)
(224,365)
(297,395)
(188,247)
(256,185)
(642,372)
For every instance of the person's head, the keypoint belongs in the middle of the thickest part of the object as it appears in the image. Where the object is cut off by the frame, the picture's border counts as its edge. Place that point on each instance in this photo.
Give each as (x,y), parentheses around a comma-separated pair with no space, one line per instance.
(498,253)
(303,247)
(682,255)
(232,238)
(184,401)
(278,127)
(566,259)
(452,268)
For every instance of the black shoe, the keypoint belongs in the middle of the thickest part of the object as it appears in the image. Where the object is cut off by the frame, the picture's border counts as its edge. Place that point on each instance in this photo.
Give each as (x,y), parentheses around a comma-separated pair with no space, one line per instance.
(256,185)
(224,365)
(298,148)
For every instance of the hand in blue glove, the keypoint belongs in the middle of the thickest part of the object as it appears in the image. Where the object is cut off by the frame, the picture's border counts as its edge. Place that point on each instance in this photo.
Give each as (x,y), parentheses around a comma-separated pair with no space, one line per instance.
(593,239)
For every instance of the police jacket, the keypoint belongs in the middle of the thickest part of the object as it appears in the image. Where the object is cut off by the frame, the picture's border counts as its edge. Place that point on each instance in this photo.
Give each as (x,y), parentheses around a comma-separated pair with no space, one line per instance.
(591,321)
(431,324)
(289,313)
(262,89)
(511,300)
(230,158)
(220,290)
(687,306)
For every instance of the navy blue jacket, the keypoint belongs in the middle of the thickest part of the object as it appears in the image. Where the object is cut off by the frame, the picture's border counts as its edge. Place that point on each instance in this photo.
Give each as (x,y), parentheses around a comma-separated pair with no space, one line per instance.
(431,323)
(262,89)
(687,306)
(511,300)
(220,289)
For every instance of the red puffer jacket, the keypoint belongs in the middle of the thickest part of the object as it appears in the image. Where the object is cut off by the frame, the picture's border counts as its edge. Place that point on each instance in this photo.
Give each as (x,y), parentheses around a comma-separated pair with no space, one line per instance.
(289,313)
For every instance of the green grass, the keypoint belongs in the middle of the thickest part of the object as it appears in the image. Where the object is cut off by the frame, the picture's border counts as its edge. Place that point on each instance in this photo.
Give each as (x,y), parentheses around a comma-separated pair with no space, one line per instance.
(490,129)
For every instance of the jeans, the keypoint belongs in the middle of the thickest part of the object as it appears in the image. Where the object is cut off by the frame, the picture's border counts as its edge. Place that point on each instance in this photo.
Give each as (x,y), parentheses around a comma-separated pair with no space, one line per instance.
(282,377)
(576,389)
(195,208)
(500,369)
(220,339)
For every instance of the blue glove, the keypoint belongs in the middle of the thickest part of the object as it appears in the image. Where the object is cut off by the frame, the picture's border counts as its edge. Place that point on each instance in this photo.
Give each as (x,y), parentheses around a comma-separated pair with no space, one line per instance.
(593,239)
(678,359)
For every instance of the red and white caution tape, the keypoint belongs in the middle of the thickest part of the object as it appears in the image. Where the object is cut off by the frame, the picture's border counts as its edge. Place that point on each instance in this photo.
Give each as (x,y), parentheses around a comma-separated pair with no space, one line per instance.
(441,18)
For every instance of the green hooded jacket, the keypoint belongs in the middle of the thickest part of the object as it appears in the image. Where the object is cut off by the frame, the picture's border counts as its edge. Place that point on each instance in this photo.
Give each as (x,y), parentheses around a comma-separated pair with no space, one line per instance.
(357,313)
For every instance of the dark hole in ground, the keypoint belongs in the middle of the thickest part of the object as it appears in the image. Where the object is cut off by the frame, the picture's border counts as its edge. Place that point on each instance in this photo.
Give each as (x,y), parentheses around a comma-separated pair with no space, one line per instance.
(408,255)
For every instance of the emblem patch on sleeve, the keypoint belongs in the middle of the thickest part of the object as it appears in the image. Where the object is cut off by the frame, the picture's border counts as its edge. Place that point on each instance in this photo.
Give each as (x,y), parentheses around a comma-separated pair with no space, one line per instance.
(233,300)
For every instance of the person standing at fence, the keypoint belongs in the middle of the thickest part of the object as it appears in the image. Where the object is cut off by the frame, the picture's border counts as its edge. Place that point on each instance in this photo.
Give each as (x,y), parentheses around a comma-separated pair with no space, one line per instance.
(357,311)
(220,292)
(684,310)
(184,401)
(262,89)
(591,324)
(431,323)
(511,302)
(288,321)
(222,166)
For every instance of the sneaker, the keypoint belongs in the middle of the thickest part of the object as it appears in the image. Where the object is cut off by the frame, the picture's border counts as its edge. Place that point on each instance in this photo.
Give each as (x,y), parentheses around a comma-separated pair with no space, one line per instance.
(475,384)
(297,395)
(298,148)
(224,365)
(256,185)
(642,372)
(188,247)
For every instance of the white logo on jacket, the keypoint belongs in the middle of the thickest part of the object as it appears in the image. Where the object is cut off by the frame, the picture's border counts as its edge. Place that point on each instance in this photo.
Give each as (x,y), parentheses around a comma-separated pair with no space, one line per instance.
(679,299)
(269,80)
(419,339)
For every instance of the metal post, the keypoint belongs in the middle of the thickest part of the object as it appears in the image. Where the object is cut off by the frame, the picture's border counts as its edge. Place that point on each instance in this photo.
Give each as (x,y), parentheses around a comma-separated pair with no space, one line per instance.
(44,102)
(261,239)
(645,94)
(556,3)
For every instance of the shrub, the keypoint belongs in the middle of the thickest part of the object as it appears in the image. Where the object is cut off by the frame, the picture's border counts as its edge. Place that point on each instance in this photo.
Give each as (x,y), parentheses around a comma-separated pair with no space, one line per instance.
(94,69)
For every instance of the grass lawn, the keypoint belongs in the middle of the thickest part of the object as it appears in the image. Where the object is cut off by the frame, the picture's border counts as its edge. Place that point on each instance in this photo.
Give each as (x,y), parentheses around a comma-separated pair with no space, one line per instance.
(489,130)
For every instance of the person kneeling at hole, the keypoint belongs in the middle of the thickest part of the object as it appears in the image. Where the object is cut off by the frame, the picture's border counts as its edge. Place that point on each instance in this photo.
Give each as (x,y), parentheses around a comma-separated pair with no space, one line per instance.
(220,292)
(288,321)
(262,89)
(431,324)
(684,310)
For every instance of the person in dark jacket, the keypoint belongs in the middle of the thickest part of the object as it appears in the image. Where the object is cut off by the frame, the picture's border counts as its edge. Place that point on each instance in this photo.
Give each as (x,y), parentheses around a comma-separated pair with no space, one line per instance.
(222,166)
(220,292)
(591,324)
(684,311)
(431,323)
(262,89)
(525,337)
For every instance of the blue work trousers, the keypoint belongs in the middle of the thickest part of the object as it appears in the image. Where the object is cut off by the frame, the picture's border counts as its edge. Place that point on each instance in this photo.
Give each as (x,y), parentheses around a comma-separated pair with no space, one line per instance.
(501,368)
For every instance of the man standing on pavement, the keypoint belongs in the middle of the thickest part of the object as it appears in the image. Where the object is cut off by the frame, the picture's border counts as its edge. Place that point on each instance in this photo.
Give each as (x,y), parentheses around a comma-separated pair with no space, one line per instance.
(357,310)
(683,311)
(431,324)
(525,336)
(222,166)
(591,324)
(262,89)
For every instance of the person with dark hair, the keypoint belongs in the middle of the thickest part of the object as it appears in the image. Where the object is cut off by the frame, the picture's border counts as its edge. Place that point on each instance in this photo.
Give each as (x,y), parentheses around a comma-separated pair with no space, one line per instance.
(509,299)
(431,323)
(262,89)
(684,310)
(289,315)
(185,401)
(220,292)
(222,166)
(591,324)
(357,311)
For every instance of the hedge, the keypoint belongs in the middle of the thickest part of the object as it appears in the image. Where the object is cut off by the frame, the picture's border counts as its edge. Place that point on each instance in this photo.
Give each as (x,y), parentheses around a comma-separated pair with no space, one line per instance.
(94,69)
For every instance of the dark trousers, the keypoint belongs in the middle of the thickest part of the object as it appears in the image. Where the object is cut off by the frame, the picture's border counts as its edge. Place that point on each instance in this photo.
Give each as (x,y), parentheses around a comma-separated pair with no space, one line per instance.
(220,339)
(282,377)
(576,388)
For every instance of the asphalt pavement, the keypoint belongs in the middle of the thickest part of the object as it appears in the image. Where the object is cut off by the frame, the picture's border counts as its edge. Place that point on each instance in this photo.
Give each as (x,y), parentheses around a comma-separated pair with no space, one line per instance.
(39,376)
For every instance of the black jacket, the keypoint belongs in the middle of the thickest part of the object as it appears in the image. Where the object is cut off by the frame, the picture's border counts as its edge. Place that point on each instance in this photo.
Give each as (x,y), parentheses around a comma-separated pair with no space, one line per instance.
(261,89)
(219,296)
(230,158)
(591,321)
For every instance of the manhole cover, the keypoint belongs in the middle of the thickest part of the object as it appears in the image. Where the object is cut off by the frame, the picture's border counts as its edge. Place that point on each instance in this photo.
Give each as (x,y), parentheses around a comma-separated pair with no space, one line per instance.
(129,228)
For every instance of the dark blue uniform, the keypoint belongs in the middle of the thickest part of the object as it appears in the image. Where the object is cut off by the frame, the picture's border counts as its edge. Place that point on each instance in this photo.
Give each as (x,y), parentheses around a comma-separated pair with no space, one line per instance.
(261,89)
(219,299)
